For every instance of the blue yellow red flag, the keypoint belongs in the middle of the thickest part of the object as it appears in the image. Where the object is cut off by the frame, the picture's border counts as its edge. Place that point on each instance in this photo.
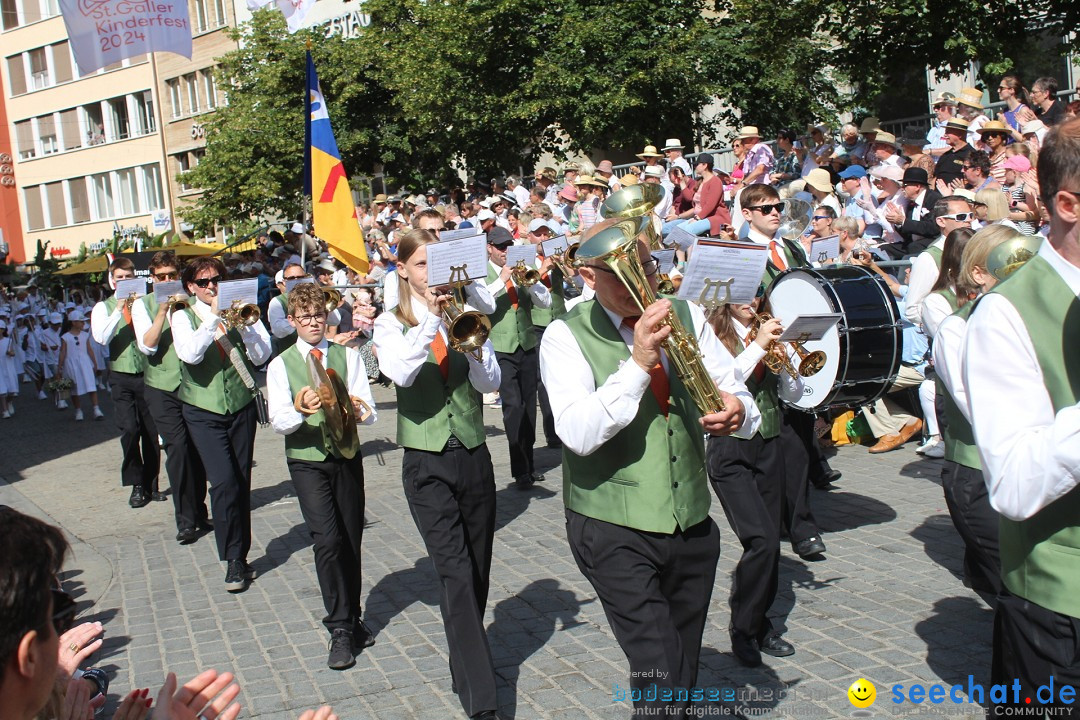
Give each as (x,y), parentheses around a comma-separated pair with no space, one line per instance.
(332,211)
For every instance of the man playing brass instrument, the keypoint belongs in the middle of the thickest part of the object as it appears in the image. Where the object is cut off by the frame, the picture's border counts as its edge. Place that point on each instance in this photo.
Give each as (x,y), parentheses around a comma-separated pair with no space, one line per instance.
(634,482)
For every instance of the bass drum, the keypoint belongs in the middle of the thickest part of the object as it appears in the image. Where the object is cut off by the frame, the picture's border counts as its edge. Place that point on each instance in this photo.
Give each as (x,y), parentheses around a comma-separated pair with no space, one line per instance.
(863,350)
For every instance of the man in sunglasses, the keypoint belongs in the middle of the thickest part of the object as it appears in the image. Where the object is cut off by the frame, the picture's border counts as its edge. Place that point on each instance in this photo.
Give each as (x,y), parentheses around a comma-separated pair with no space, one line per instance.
(153,333)
(111,326)
(947,214)
(217,368)
(284,334)
(34,615)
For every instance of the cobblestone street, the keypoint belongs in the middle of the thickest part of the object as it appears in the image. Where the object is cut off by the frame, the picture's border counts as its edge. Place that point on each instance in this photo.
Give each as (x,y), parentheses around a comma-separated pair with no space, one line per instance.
(886,603)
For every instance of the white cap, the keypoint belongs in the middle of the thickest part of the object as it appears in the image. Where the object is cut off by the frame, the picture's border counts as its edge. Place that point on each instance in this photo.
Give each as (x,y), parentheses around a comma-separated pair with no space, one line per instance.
(653,171)
(56,319)
(76,315)
(297,228)
(279,276)
(538,223)
(485,214)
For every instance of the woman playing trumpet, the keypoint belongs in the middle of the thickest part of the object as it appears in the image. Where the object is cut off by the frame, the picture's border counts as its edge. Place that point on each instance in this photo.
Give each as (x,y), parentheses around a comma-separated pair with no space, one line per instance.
(446,469)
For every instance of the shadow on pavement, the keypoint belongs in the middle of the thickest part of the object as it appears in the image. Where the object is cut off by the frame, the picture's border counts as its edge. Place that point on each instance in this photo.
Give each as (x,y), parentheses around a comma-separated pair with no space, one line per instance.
(398,590)
(281,548)
(942,543)
(510,502)
(526,622)
(794,575)
(958,634)
(839,510)
(743,691)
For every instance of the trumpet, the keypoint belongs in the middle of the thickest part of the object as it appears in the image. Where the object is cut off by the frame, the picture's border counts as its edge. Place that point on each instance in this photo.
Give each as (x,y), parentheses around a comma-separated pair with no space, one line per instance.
(776,356)
(240,315)
(525,276)
(468,330)
(178,302)
(333,299)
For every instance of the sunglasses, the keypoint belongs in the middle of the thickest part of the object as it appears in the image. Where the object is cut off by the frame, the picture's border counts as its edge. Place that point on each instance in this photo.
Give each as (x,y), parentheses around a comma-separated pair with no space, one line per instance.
(959,217)
(768,209)
(166,276)
(63,615)
(206,282)
(822,217)
(294,277)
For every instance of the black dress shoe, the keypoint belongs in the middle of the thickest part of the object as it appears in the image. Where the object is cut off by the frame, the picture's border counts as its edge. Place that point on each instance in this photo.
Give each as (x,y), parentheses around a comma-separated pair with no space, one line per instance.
(826,479)
(777,646)
(187,536)
(341,650)
(138,498)
(488,715)
(158,496)
(555,444)
(538,478)
(745,649)
(362,635)
(524,482)
(809,547)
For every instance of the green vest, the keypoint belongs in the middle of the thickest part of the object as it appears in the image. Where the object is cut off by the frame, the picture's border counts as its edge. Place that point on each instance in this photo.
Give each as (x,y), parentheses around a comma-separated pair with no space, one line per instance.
(431,408)
(794,256)
(542,317)
(280,345)
(124,353)
(935,253)
(213,384)
(310,441)
(651,475)
(1038,555)
(959,437)
(163,367)
(766,395)
(950,297)
(511,329)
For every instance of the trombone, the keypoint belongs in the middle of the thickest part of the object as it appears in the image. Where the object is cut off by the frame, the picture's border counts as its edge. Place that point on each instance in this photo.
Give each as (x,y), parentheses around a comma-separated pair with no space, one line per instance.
(468,330)
(776,357)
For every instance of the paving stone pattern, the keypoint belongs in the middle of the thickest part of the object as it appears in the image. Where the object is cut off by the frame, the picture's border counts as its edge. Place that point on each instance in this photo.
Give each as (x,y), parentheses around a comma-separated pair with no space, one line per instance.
(886,604)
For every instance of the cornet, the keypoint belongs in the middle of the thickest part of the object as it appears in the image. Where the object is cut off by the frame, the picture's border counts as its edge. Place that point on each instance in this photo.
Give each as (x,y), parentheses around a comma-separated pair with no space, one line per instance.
(178,302)
(525,276)
(776,357)
(468,330)
(333,299)
(240,315)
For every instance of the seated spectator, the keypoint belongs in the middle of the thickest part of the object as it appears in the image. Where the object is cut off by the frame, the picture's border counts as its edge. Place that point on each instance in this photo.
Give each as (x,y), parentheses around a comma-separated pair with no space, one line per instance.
(992,208)
(847,230)
(819,183)
(821,222)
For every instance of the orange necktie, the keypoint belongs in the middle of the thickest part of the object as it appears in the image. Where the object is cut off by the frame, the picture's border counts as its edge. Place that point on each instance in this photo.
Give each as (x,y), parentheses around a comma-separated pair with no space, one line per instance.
(511,292)
(658,379)
(777,256)
(126,312)
(438,349)
(317,353)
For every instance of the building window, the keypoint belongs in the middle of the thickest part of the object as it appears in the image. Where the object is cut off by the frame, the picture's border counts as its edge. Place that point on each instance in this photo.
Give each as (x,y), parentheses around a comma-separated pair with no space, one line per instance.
(127,192)
(154,195)
(103,196)
(219,9)
(183,164)
(176,103)
(54,193)
(144,113)
(95,124)
(61,62)
(17,75)
(70,129)
(24,140)
(47,135)
(39,69)
(52,8)
(191,89)
(80,207)
(200,16)
(35,215)
(9,14)
(119,120)
(209,88)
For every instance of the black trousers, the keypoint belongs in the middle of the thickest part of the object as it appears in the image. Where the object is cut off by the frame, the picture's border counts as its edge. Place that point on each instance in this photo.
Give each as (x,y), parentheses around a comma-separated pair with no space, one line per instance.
(331,495)
(977,523)
(817,466)
(187,478)
(451,497)
(226,445)
(655,590)
(796,513)
(518,393)
(138,435)
(748,478)
(550,436)
(1035,646)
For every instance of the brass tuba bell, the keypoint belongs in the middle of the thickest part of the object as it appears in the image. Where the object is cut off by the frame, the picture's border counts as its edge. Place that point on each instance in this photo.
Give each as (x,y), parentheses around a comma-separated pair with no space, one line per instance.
(1006,258)
(178,302)
(333,299)
(637,201)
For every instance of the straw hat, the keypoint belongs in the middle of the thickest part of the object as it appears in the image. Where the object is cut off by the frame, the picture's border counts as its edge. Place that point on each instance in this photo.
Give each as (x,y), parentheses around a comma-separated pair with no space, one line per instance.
(629,179)
(945,98)
(671,144)
(886,138)
(994,126)
(748,131)
(819,179)
(972,97)
(957,124)
(589,180)
(870,125)
(649,151)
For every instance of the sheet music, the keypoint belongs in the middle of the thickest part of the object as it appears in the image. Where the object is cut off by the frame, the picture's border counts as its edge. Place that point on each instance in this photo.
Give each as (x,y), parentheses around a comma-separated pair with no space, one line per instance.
(447,235)
(470,252)
(665,259)
(165,290)
(680,237)
(824,249)
(516,253)
(554,246)
(809,327)
(246,291)
(293,282)
(725,271)
(124,288)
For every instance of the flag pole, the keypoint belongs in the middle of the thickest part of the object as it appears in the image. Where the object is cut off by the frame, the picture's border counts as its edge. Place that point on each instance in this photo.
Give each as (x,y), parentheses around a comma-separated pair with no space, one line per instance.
(307,164)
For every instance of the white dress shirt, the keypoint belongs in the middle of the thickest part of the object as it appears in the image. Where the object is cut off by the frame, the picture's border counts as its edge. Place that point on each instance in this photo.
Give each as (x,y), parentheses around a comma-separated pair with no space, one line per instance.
(279,320)
(924,273)
(1030,455)
(935,308)
(103,325)
(948,353)
(402,354)
(541,296)
(191,344)
(142,322)
(284,416)
(587,416)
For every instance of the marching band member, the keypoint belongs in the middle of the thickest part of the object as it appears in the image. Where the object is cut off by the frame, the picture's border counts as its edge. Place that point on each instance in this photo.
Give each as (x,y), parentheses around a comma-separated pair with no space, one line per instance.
(110,326)
(634,481)
(514,339)
(329,486)
(218,390)
(153,333)
(552,277)
(748,475)
(1020,357)
(284,335)
(446,469)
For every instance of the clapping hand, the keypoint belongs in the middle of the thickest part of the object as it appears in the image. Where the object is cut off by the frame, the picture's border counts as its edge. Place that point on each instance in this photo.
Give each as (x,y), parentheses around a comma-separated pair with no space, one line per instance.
(208,695)
(78,643)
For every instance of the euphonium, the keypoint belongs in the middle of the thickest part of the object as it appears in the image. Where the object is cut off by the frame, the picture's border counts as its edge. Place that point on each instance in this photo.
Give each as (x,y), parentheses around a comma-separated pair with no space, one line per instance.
(1006,258)
(615,243)
(240,315)
(525,276)
(468,330)
(333,299)
(639,201)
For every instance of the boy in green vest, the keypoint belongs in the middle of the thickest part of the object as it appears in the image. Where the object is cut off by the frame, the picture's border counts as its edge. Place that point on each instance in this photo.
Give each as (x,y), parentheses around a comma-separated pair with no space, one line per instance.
(634,482)
(514,339)
(1022,367)
(330,487)
(218,390)
(153,333)
(110,325)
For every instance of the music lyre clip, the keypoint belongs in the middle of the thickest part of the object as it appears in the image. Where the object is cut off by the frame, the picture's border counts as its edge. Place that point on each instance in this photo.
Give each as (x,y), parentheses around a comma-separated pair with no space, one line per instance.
(458,275)
(715,301)
(804,337)
(821,257)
